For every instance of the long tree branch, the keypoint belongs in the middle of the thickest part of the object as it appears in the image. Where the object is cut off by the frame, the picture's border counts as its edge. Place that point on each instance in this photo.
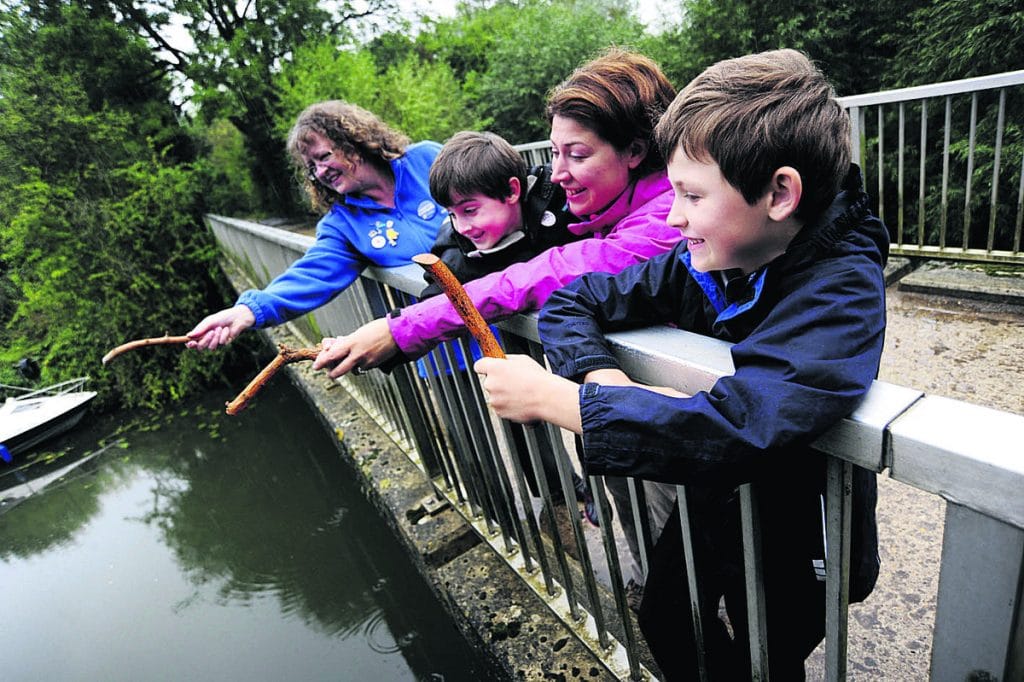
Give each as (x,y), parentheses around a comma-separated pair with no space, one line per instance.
(285,356)
(166,339)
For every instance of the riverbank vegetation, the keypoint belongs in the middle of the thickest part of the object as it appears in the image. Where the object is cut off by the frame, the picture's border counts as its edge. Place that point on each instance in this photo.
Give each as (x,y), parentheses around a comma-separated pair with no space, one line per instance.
(121,124)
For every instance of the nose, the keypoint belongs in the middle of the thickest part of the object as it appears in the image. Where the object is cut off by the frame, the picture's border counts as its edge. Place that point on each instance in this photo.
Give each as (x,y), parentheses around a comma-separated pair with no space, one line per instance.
(319,167)
(461,226)
(559,170)
(676,216)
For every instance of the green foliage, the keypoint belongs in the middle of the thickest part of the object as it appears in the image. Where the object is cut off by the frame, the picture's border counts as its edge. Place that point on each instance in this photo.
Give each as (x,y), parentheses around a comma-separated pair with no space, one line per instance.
(957,39)
(225,168)
(422,99)
(538,46)
(238,51)
(854,42)
(101,238)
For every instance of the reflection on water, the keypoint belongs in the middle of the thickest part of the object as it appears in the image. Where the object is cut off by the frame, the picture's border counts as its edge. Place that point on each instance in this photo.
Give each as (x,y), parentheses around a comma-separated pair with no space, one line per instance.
(210,547)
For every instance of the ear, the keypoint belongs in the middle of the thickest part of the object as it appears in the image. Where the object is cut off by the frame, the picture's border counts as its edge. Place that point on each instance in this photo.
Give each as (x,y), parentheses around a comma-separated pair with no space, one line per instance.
(514,191)
(786,189)
(636,153)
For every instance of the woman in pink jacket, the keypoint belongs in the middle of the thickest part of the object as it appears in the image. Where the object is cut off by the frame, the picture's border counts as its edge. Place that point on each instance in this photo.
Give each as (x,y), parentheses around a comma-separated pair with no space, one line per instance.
(602,120)
(604,157)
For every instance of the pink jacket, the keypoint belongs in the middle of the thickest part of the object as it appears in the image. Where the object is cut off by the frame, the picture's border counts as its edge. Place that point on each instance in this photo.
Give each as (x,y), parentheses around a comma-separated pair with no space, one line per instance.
(629,231)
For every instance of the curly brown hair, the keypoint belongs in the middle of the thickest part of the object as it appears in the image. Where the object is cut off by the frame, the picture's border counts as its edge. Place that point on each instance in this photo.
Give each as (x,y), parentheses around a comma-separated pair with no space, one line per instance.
(354,131)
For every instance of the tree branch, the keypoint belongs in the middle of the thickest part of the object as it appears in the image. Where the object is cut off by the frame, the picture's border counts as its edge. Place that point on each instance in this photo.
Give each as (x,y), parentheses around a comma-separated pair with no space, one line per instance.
(285,356)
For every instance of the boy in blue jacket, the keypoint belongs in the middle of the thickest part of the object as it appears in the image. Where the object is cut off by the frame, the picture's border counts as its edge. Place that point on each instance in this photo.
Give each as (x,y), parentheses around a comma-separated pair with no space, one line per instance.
(783,258)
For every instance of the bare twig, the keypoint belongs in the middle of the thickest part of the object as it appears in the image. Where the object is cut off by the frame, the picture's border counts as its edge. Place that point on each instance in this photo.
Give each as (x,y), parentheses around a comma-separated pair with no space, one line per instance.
(285,356)
(462,302)
(139,343)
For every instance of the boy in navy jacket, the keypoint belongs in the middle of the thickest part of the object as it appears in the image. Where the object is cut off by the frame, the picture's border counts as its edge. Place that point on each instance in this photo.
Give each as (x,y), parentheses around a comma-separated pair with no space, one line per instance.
(783,258)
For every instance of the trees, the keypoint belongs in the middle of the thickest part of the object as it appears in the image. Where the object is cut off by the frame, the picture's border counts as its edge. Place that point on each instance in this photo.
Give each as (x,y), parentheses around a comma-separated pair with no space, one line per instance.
(100,231)
(238,49)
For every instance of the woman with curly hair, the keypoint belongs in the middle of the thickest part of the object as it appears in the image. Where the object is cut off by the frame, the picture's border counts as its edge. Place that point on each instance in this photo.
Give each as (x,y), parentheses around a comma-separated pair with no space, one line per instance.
(372,187)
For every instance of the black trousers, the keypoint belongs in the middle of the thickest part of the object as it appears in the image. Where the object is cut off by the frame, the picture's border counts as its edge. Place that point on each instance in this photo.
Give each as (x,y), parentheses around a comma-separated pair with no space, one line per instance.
(795,599)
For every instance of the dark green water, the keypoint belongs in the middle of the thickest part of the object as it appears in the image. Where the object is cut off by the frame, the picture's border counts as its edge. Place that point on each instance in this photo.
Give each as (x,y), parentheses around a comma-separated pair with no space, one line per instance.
(208,547)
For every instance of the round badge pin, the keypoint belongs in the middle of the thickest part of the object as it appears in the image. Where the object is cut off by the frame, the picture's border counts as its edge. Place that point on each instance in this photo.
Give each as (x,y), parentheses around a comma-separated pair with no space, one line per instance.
(426,209)
(548,219)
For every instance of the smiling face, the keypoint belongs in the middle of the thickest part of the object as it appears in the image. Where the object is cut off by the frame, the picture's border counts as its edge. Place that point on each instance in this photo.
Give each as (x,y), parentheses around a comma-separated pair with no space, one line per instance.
(332,169)
(592,172)
(722,230)
(484,220)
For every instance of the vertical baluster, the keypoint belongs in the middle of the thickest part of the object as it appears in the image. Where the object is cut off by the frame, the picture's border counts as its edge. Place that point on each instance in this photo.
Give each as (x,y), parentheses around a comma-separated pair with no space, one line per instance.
(757,612)
(899,176)
(692,584)
(972,133)
(881,164)
(921,180)
(994,203)
(945,174)
(837,565)
(1020,209)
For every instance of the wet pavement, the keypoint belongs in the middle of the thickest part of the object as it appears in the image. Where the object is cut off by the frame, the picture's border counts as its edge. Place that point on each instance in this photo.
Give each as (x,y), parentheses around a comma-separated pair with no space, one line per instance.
(953,333)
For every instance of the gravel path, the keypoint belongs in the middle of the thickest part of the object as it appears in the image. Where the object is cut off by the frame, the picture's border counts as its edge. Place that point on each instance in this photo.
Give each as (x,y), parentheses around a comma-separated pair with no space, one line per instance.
(967,350)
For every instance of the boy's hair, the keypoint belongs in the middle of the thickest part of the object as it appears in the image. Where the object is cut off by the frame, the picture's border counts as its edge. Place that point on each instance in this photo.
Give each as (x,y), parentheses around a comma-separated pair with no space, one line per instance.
(754,114)
(619,96)
(475,163)
(354,131)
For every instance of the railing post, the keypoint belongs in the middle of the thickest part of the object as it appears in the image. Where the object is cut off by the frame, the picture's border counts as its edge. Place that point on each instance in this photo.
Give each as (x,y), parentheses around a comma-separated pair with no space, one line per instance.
(978,616)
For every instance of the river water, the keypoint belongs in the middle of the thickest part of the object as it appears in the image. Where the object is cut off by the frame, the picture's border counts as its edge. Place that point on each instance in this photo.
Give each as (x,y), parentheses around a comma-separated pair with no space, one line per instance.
(205,547)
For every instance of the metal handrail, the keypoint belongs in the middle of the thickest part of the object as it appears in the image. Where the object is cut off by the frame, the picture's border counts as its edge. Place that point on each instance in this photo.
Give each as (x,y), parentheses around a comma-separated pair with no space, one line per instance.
(921,440)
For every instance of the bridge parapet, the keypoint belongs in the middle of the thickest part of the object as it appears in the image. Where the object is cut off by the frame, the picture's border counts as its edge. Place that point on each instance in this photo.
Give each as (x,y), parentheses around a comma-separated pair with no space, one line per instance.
(971,456)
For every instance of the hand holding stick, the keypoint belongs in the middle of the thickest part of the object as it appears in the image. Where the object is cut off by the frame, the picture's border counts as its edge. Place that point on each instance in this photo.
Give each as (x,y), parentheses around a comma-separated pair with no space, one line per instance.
(139,343)
(462,302)
(285,356)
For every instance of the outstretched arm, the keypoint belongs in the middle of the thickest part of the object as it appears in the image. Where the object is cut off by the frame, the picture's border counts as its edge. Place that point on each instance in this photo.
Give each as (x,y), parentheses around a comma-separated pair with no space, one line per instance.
(365,348)
(221,328)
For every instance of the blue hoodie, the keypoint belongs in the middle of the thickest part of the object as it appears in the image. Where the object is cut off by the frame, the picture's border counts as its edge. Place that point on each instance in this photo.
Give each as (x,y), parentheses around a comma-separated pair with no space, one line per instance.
(355,233)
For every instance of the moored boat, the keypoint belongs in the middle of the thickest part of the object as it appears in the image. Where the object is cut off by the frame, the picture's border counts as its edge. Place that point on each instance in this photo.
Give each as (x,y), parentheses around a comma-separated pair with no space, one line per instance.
(32,416)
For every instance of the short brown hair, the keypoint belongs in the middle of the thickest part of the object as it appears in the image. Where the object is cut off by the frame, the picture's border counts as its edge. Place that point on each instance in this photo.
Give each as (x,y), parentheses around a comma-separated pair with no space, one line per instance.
(354,131)
(755,114)
(619,96)
(475,163)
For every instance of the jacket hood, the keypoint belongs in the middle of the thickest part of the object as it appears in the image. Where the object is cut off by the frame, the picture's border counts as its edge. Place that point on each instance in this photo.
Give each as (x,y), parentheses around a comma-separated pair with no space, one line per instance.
(846,224)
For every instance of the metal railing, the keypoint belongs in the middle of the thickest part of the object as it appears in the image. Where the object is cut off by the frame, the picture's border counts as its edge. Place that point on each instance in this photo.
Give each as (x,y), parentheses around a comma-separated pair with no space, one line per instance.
(952,185)
(969,455)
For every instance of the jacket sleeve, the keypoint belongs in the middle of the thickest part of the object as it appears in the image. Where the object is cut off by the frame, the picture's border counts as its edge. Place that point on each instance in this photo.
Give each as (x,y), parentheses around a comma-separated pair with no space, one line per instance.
(804,367)
(326,269)
(523,287)
(575,318)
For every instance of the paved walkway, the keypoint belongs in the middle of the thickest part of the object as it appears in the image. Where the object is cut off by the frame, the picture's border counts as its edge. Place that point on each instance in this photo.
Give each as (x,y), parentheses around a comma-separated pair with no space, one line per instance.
(957,332)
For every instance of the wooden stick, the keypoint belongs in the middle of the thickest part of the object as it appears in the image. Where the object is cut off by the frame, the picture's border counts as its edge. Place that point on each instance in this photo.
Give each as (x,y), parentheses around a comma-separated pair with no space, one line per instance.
(139,343)
(285,356)
(462,302)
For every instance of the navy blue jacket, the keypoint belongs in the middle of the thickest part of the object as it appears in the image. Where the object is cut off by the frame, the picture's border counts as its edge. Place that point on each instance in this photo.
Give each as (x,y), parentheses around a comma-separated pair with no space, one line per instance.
(807,330)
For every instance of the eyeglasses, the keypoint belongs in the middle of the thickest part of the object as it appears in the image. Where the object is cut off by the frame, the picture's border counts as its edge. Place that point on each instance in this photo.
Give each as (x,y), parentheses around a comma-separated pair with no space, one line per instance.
(315,164)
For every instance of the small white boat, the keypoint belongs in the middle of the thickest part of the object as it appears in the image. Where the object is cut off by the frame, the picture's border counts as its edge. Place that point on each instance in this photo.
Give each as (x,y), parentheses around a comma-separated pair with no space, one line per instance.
(33,416)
